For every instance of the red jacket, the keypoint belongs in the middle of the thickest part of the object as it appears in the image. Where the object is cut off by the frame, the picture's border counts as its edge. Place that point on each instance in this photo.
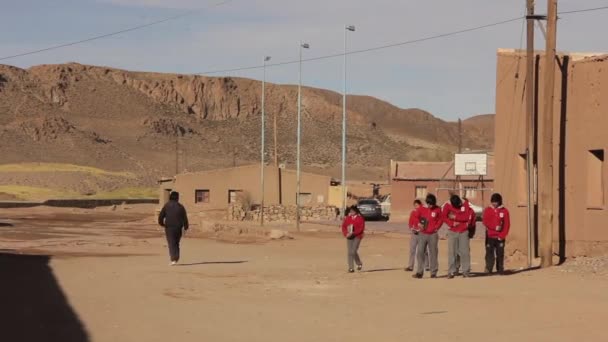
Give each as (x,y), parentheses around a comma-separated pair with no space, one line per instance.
(433,218)
(473,221)
(462,217)
(493,219)
(358,223)
(415,219)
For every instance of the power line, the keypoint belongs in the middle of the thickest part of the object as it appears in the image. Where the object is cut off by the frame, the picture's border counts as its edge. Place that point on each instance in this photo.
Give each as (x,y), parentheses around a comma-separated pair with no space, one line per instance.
(584,10)
(394,45)
(382,47)
(130,29)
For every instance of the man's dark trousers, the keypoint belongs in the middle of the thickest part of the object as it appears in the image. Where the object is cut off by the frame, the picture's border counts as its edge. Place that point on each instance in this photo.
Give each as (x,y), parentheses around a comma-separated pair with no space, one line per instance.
(174,235)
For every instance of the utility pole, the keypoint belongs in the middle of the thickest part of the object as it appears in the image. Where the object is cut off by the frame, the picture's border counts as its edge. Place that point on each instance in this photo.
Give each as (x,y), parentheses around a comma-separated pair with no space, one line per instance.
(263,141)
(276,149)
(530,125)
(348,28)
(176,151)
(458,179)
(545,160)
(299,137)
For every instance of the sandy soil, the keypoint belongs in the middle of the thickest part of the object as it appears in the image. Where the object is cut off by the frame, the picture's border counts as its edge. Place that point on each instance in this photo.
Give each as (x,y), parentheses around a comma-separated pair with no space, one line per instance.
(113,283)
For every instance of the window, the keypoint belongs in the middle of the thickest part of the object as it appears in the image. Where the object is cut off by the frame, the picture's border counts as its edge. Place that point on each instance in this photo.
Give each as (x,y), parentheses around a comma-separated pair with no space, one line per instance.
(305,198)
(201,196)
(421,191)
(522,179)
(233,196)
(595,179)
(470,192)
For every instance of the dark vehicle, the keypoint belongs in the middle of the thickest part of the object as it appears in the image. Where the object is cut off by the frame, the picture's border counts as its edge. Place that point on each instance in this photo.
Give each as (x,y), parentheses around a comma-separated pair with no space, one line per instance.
(371,209)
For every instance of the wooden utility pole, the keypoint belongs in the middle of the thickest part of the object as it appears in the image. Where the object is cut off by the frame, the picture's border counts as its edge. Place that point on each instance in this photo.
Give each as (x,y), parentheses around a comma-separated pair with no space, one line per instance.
(545,160)
(458,179)
(530,122)
(276,148)
(176,152)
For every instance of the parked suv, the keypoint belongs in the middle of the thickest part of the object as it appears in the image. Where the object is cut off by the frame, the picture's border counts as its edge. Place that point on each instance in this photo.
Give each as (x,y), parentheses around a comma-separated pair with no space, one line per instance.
(371,209)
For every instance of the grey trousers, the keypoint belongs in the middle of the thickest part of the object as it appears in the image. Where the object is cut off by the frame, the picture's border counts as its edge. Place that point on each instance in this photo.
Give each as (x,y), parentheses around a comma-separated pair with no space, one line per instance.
(413,245)
(458,246)
(430,243)
(352,246)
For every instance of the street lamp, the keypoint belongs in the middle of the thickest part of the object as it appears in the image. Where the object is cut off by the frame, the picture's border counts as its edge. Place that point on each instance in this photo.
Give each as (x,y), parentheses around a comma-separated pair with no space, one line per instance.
(348,28)
(299,133)
(266,59)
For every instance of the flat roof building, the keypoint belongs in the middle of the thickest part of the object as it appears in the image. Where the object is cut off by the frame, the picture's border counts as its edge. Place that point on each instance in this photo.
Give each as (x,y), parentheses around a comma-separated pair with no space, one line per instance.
(579,143)
(216,189)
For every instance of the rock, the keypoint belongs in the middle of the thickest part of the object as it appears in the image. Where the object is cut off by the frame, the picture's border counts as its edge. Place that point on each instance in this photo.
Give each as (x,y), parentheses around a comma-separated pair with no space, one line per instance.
(277,234)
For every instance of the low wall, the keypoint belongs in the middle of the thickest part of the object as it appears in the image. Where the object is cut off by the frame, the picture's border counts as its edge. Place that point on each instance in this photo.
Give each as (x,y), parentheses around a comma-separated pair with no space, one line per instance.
(279,213)
(76,203)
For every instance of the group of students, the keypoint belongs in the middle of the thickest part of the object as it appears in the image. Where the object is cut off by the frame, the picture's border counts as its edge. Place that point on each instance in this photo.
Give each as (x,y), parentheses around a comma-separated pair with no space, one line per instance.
(425,222)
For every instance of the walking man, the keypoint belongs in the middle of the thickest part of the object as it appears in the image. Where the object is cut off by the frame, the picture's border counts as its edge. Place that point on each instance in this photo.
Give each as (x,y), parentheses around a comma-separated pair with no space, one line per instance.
(430,222)
(174,218)
(497,221)
(414,229)
(458,216)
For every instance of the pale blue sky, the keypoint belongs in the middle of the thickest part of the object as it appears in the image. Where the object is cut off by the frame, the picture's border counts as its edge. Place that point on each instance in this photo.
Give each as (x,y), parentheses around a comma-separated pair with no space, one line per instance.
(452,77)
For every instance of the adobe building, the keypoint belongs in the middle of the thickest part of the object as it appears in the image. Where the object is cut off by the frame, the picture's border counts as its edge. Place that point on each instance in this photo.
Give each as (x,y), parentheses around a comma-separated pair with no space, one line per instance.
(579,140)
(414,180)
(216,189)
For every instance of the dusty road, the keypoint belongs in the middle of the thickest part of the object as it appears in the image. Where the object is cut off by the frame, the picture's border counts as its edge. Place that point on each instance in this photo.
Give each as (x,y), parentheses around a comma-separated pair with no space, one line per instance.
(108,280)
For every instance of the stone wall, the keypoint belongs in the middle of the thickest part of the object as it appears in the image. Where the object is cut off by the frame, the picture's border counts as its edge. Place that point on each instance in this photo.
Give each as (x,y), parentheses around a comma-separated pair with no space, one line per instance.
(280,213)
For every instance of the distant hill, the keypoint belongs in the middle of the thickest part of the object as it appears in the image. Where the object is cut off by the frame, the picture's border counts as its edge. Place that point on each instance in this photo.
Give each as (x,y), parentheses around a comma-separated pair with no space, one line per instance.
(134,122)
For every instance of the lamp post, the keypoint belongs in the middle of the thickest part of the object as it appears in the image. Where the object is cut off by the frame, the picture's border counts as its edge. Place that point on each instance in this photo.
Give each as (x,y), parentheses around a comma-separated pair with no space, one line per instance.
(266,59)
(299,133)
(348,28)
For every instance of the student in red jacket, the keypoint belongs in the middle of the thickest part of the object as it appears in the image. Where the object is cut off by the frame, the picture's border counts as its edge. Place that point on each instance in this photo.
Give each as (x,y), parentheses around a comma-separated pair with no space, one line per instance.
(353,229)
(430,222)
(414,229)
(497,221)
(457,217)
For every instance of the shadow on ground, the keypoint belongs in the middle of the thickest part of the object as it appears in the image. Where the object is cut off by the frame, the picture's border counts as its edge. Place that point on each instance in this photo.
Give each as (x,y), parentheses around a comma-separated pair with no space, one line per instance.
(213,263)
(34,308)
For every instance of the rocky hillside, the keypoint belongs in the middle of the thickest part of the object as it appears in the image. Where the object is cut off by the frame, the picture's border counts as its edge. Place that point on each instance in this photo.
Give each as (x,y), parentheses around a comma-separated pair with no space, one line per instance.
(135,122)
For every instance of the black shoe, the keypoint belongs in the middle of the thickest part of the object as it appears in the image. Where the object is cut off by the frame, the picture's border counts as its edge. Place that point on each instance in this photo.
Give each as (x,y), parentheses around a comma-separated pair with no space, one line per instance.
(409,269)
(351,271)
(450,276)
(359,267)
(417,275)
(488,271)
(433,276)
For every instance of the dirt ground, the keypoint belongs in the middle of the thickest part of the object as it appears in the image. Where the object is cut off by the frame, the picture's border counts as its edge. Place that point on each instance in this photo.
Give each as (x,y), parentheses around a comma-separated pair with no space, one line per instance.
(103,275)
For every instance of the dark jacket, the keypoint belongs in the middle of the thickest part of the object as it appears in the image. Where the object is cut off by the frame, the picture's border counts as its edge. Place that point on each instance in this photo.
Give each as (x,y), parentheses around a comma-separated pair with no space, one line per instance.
(173,215)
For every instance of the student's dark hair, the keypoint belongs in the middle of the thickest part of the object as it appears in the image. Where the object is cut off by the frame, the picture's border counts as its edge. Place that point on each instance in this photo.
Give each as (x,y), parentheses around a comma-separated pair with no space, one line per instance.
(496,198)
(417,201)
(355,209)
(174,196)
(455,201)
(431,200)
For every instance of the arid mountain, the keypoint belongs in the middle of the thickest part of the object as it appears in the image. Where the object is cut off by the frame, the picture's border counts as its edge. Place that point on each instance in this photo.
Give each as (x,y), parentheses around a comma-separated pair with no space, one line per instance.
(135,122)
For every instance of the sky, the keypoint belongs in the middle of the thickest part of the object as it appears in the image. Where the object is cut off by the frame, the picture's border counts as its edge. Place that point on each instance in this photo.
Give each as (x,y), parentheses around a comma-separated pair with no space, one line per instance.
(451,77)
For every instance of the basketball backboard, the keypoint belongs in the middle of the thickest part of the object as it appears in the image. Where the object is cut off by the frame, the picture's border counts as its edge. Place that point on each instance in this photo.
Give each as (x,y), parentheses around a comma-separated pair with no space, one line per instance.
(471,164)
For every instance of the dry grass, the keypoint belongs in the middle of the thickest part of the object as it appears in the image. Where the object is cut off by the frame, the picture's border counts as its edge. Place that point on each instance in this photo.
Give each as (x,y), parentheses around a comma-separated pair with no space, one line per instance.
(127,193)
(57,167)
(29,193)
